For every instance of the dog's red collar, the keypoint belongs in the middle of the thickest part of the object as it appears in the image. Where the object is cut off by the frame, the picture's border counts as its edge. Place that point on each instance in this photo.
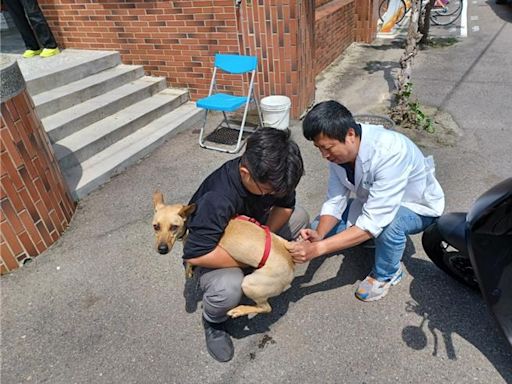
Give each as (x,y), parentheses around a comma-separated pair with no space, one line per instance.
(268,238)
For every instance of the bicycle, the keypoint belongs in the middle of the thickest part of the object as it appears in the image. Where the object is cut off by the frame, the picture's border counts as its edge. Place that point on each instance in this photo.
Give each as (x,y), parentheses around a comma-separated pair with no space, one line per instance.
(439,16)
(384,5)
(447,14)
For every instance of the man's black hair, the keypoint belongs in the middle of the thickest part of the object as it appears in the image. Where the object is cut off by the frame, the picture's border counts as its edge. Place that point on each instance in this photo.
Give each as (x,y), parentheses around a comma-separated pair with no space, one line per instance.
(330,118)
(273,157)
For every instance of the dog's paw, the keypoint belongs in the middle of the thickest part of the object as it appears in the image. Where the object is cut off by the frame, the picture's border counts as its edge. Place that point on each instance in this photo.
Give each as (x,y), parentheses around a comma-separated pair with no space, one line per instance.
(189,270)
(236,312)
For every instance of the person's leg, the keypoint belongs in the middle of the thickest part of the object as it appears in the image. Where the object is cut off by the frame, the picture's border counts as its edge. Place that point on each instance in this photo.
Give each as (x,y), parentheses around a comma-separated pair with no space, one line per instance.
(390,244)
(342,224)
(222,291)
(389,249)
(39,24)
(298,220)
(19,18)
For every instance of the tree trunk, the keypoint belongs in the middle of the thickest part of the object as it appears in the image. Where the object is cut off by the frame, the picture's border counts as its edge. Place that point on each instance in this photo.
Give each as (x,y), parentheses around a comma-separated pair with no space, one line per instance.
(401,111)
(424,22)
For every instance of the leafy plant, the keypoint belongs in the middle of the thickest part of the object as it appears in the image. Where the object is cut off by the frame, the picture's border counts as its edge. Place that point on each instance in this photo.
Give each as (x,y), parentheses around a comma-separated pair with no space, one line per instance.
(408,112)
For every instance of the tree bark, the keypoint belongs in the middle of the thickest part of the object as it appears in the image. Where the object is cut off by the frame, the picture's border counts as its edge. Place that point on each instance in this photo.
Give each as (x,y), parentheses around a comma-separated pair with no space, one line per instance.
(424,22)
(401,113)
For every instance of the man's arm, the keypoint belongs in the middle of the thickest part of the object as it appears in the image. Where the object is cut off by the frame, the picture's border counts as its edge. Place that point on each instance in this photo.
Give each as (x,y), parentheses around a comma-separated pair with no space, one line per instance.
(218,258)
(326,223)
(278,218)
(304,251)
(206,227)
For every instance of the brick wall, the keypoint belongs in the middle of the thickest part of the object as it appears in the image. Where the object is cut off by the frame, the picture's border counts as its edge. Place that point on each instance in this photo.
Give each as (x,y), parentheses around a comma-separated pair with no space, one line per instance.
(334,31)
(36,205)
(177,39)
(367,17)
(319,3)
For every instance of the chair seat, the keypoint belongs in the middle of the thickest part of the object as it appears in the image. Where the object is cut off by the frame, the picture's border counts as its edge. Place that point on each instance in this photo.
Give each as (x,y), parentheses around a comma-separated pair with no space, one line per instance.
(222,102)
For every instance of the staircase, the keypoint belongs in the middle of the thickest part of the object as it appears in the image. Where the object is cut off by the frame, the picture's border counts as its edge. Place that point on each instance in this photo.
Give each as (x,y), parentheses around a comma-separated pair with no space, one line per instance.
(101,115)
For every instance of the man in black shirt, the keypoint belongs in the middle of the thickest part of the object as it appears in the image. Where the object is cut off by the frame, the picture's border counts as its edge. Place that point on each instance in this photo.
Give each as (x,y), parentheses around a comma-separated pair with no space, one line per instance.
(259,184)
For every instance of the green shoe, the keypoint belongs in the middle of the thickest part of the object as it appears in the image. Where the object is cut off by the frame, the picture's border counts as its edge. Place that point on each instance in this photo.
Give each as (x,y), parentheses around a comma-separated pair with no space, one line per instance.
(31,53)
(48,52)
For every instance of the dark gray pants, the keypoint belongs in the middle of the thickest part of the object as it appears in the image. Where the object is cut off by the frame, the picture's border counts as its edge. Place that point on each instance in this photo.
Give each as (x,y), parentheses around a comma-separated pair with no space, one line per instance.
(31,23)
(222,288)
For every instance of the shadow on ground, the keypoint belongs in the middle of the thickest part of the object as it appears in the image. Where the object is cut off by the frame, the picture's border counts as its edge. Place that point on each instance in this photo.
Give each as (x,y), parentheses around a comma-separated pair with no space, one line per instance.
(356,264)
(386,67)
(442,318)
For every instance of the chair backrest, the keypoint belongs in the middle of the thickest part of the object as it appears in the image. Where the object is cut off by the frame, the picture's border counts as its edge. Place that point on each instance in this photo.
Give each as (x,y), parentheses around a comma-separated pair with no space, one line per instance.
(235,63)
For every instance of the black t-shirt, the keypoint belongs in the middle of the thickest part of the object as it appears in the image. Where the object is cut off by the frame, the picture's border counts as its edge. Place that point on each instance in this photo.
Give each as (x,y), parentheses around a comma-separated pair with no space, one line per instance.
(219,198)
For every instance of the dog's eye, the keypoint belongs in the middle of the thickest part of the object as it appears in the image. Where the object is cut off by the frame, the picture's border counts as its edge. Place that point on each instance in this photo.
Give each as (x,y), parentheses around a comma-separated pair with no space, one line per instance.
(174,228)
(156,227)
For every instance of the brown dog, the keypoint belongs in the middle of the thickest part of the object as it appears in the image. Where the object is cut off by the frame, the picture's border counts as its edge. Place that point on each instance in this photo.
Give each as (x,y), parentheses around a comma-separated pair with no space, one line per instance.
(244,241)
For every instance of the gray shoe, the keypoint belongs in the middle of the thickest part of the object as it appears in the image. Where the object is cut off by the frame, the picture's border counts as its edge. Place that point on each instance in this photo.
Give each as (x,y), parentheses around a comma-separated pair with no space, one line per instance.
(367,291)
(218,341)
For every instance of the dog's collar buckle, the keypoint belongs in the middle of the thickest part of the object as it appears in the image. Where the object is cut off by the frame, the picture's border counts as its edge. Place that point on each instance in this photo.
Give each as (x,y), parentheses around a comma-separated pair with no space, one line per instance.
(268,237)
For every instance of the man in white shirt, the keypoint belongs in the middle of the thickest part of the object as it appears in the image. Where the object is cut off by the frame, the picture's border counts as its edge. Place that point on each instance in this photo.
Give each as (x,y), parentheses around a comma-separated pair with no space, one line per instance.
(394,187)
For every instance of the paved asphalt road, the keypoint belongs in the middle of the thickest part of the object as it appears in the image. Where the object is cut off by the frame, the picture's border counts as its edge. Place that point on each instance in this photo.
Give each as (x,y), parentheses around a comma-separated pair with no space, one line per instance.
(102,307)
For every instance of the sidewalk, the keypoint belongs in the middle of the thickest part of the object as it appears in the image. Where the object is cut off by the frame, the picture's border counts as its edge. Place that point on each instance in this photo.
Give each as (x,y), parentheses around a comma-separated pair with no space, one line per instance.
(101,306)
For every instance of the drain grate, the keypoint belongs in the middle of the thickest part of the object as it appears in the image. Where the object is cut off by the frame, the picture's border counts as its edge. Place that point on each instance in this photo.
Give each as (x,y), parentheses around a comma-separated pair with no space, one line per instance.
(376,120)
(224,135)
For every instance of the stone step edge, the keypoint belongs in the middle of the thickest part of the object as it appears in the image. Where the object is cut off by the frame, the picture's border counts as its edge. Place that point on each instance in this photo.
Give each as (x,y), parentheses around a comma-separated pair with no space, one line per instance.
(99,169)
(121,73)
(97,131)
(54,122)
(61,74)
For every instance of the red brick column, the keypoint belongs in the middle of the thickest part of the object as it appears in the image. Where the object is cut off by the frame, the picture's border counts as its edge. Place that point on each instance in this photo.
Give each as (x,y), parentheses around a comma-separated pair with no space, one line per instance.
(367,14)
(280,33)
(334,31)
(36,205)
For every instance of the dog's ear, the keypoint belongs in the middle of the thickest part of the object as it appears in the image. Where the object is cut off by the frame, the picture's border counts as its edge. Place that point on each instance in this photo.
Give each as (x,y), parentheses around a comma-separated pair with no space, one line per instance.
(187,210)
(158,199)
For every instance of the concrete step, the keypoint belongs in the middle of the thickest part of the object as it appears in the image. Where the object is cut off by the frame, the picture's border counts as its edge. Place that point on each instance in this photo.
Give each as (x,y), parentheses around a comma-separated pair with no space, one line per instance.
(74,93)
(43,74)
(98,169)
(101,115)
(71,120)
(90,140)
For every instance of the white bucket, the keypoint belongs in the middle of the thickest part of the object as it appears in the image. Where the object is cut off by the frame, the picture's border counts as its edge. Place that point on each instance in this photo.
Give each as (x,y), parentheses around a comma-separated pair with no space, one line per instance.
(276,111)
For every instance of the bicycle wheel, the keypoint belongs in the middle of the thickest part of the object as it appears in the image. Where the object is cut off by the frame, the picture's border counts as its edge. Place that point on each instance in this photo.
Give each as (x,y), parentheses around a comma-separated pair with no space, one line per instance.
(448,14)
(384,5)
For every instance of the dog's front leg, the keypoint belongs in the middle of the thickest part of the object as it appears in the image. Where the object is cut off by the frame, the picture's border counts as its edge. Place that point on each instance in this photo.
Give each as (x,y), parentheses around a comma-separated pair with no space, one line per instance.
(189,270)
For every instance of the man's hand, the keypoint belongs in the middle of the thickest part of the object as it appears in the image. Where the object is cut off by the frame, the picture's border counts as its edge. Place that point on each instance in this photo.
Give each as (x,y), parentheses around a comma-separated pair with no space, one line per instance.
(302,251)
(309,235)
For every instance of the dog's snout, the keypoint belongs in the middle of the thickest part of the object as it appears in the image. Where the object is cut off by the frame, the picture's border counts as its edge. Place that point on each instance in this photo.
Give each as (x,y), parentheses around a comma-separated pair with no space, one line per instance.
(163,249)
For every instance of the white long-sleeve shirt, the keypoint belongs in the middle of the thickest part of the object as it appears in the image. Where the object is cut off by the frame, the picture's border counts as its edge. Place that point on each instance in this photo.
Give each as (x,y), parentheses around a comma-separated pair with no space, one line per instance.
(390,171)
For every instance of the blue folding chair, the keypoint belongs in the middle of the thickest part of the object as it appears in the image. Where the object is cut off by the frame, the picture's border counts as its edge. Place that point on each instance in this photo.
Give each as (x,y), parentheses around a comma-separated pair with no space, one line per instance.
(217,101)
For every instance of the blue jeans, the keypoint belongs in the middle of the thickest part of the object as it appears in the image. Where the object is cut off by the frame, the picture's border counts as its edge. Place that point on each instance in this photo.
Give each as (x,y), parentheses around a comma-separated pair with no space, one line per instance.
(390,244)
